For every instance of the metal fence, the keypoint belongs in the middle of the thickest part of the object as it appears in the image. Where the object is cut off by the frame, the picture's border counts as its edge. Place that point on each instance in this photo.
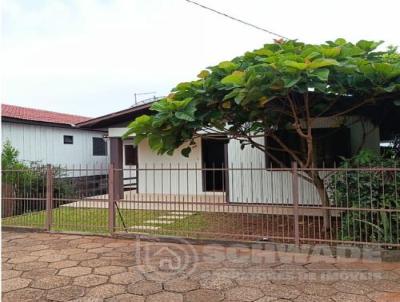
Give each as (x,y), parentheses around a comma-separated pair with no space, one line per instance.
(352,205)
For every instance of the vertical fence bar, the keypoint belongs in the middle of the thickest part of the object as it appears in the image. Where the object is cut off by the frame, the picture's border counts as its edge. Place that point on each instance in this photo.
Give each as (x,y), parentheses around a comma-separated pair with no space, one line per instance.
(111,198)
(295,194)
(49,197)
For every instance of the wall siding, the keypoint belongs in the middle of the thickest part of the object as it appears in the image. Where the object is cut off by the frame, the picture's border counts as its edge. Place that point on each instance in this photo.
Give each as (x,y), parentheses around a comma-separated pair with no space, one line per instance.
(170,182)
(45,144)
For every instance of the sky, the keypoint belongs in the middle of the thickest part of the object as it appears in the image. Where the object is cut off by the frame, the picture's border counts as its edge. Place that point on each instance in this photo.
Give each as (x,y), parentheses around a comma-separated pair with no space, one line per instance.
(90,57)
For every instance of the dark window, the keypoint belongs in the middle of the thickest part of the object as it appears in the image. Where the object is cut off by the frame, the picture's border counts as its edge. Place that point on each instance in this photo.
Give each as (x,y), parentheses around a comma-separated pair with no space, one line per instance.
(99,146)
(131,156)
(214,158)
(68,139)
(330,144)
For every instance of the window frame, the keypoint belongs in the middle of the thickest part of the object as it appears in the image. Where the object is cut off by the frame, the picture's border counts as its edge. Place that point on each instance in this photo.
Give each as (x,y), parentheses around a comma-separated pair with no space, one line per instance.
(134,158)
(66,141)
(94,149)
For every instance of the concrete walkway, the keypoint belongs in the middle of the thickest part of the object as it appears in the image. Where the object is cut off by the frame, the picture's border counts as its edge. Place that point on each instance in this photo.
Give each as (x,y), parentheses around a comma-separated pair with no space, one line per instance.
(59,267)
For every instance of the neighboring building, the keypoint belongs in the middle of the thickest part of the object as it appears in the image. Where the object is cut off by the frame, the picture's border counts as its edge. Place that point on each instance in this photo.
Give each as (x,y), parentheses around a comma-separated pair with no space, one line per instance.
(257,185)
(49,137)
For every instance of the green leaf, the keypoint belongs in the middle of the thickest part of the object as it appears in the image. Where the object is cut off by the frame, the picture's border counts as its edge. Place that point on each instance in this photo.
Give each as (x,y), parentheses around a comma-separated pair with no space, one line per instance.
(155,142)
(203,74)
(340,41)
(186,151)
(235,78)
(290,82)
(296,65)
(322,74)
(368,45)
(264,52)
(331,52)
(227,65)
(318,63)
(184,116)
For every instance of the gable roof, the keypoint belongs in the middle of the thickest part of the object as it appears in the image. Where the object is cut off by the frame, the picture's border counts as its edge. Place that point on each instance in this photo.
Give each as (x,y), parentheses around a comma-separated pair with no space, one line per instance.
(37,115)
(119,117)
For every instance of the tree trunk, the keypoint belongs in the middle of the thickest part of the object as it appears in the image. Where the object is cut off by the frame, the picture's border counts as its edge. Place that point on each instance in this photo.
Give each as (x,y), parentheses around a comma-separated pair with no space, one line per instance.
(323,195)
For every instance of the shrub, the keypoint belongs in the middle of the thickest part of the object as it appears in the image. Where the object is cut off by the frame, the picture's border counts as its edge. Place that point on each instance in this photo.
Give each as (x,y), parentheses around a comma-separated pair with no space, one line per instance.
(368,189)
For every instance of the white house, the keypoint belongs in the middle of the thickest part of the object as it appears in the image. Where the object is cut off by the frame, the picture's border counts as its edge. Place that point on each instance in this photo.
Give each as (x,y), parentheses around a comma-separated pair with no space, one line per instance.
(248,181)
(52,138)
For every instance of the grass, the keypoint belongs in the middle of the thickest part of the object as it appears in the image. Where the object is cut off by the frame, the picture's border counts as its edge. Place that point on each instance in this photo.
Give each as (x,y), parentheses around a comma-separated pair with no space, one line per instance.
(96,220)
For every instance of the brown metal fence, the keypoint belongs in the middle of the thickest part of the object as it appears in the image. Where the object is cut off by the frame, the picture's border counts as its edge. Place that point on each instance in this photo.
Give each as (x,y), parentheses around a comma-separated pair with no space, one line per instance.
(350,205)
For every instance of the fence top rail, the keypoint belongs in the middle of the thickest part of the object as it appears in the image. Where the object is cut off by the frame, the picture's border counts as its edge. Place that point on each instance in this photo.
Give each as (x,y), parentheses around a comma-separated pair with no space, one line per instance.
(232,168)
(188,168)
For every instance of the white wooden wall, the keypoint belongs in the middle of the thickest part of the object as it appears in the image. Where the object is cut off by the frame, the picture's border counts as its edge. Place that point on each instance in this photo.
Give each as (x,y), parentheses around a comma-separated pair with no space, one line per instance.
(181,182)
(251,182)
(45,144)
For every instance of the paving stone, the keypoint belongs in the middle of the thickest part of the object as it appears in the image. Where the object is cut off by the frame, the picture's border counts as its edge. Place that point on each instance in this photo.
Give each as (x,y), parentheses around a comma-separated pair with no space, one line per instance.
(106,291)
(75,271)
(90,280)
(96,262)
(126,298)
(82,256)
(9,274)
(343,297)
(53,258)
(280,291)
(385,285)
(384,297)
(123,262)
(318,289)
(63,264)
(217,283)
(30,265)
(91,245)
(165,296)
(126,278)
(109,270)
(14,284)
(308,298)
(39,273)
(145,288)
(24,295)
(353,287)
(51,282)
(181,285)
(271,299)
(37,247)
(72,251)
(65,293)
(100,250)
(23,259)
(117,244)
(243,293)
(203,295)
(144,227)
(46,252)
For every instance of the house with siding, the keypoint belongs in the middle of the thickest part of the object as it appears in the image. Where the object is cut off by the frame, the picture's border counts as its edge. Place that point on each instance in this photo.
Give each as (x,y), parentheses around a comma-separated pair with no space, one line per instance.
(47,137)
(248,178)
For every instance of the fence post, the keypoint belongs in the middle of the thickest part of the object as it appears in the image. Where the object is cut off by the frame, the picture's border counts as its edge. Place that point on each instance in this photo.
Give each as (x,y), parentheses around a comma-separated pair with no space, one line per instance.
(49,197)
(111,199)
(295,194)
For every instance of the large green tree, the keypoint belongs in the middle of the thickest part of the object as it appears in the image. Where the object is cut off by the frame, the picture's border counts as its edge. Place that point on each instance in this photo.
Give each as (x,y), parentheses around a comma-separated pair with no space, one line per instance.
(286,85)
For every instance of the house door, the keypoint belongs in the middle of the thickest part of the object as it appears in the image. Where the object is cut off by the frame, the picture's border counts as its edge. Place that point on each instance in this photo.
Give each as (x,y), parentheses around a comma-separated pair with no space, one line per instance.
(130,166)
(215,159)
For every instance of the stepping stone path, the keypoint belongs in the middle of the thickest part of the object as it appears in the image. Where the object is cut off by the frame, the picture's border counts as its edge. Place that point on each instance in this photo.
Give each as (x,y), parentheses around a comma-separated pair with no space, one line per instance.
(154,224)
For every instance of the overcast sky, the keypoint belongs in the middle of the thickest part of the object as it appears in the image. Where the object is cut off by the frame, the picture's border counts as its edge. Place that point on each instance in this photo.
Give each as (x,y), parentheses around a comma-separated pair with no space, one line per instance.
(89,57)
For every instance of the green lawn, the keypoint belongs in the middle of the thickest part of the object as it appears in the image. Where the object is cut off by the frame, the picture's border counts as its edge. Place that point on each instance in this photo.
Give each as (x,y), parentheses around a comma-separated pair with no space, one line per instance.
(96,220)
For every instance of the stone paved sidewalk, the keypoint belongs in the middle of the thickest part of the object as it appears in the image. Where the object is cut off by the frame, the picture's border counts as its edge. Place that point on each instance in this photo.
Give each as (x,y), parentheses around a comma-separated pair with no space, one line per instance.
(57,267)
